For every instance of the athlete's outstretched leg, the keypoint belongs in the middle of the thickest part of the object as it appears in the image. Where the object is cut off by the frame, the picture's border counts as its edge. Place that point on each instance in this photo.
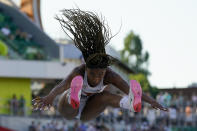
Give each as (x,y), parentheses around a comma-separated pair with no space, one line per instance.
(97,103)
(65,109)
(70,100)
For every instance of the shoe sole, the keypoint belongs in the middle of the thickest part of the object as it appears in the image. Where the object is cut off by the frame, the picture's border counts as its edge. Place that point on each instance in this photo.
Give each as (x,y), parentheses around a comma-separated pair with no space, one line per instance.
(137,95)
(76,86)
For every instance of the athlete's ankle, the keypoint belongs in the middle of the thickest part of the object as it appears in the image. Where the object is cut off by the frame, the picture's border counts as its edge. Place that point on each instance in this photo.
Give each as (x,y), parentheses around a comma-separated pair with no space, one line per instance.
(124,102)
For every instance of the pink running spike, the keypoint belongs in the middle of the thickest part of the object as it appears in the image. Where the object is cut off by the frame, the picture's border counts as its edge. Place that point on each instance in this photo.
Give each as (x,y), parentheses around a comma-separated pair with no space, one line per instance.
(75,94)
(137,94)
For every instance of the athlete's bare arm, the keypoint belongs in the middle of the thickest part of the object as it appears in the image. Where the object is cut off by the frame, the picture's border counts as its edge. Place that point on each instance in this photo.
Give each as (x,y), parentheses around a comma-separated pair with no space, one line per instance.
(112,77)
(65,84)
(41,103)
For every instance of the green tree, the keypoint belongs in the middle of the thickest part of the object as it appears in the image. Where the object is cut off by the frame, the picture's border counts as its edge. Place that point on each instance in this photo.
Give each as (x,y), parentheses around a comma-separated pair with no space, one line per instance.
(133,55)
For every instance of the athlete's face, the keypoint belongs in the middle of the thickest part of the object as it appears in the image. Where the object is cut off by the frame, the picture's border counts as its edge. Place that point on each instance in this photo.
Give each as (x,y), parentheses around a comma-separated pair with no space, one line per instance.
(95,75)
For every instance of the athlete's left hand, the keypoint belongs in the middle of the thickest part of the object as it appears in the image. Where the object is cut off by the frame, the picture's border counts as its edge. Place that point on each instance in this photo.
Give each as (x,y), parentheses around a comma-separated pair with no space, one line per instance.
(42,103)
(157,106)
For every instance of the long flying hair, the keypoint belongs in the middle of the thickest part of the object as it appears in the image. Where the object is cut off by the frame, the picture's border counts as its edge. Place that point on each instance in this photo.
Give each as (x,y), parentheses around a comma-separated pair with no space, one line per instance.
(91,35)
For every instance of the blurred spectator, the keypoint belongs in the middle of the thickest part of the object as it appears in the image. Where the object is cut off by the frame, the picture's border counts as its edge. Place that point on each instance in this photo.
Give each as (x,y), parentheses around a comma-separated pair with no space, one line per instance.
(32,127)
(167,99)
(76,126)
(21,106)
(5,30)
(179,117)
(52,126)
(134,127)
(39,127)
(57,126)
(172,114)
(64,126)
(151,116)
(101,127)
(82,127)
(17,34)
(159,98)
(181,99)
(128,127)
(144,126)
(194,99)
(14,105)
(91,127)
(188,112)
(27,37)
(47,127)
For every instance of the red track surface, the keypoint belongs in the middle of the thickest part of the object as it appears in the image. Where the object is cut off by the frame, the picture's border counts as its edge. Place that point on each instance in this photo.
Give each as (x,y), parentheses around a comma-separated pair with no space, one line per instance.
(5,129)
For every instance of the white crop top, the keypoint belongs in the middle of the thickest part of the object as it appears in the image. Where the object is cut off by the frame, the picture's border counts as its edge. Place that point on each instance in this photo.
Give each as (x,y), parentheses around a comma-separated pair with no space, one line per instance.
(87,89)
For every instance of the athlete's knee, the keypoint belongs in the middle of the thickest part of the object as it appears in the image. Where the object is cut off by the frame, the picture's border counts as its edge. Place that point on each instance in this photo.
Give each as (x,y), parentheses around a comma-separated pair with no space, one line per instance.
(65,109)
(62,102)
(67,113)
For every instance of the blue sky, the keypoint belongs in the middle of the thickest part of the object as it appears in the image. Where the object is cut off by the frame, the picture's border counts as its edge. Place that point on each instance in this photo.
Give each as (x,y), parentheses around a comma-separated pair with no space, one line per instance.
(168,29)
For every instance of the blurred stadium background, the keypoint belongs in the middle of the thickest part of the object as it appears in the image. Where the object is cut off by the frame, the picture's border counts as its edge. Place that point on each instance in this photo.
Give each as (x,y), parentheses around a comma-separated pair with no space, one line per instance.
(32,63)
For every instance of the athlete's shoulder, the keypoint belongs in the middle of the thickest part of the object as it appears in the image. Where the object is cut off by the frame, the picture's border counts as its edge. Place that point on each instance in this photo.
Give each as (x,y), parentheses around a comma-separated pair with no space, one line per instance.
(109,71)
(110,75)
(79,70)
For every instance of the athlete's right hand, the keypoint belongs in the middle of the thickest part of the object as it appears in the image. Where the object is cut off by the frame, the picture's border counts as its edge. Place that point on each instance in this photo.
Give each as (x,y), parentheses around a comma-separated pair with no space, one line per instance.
(42,103)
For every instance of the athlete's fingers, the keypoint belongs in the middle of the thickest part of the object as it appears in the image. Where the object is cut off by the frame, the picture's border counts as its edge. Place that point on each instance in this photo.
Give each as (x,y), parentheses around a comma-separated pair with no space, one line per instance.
(42,107)
(155,108)
(40,103)
(37,98)
(35,107)
(46,108)
(36,103)
(165,109)
(34,99)
(160,107)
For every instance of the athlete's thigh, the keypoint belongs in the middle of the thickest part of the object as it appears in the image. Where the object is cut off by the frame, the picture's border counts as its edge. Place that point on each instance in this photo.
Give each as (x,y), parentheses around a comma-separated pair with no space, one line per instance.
(97,104)
(65,108)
